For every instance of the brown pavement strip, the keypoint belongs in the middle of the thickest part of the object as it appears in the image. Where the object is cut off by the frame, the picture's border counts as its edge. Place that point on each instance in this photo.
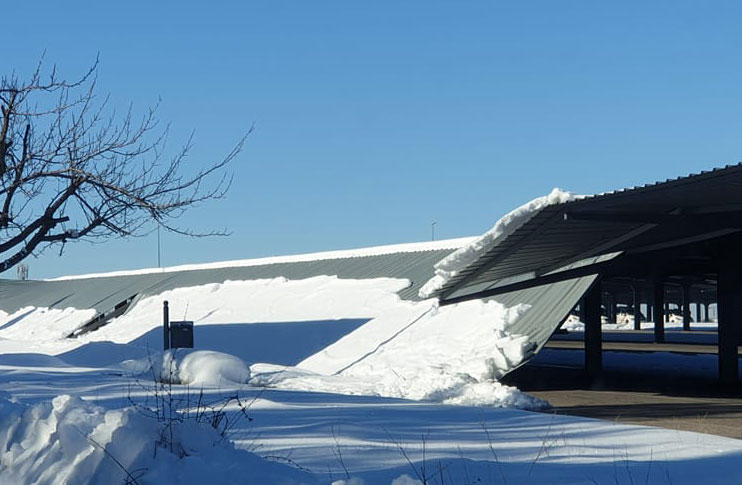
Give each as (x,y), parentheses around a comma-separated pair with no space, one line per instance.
(702,415)
(666,401)
(638,347)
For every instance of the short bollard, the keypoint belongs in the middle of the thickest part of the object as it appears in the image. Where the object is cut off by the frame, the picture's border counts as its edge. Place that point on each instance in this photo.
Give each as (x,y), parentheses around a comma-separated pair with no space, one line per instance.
(165,325)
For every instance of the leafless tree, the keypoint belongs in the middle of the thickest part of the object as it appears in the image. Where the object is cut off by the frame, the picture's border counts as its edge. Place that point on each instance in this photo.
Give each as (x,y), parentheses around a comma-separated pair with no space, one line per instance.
(71,168)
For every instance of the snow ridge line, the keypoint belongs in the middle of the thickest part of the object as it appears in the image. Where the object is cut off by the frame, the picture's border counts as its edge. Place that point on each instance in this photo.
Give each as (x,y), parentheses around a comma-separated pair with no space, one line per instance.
(381,344)
(451,244)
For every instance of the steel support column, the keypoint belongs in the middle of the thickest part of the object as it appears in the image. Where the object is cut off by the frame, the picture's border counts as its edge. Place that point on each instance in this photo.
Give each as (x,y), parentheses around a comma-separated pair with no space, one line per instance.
(698,311)
(613,315)
(637,307)
(730,317)
(659,309)
(686,306)
(593,331)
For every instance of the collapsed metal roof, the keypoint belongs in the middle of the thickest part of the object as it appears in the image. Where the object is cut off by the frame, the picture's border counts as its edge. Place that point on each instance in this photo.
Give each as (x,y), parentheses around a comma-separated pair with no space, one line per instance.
(104,293)
(110,296)
(579,237)
(547,264)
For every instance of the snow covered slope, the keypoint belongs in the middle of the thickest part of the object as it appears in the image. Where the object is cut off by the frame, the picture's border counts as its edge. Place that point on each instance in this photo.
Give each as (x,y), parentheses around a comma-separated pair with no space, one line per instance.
(370,340)
(349,331)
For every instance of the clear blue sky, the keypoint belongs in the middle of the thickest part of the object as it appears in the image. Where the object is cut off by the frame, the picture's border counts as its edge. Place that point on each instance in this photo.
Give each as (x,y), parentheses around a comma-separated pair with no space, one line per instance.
(373,119)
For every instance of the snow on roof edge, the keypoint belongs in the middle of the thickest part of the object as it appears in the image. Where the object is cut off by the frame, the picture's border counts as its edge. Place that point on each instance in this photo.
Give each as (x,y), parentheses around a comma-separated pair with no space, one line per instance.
(449,267)
(297,258)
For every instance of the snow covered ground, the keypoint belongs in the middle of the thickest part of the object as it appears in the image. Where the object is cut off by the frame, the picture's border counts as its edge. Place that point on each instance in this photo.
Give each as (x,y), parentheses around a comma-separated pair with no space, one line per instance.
(314,381)
(574,325)
(331,437)
(335,357)
(318,334)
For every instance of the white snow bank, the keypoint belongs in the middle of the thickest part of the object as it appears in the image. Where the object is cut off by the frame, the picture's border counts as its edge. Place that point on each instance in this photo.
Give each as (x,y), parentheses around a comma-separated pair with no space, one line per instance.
(406,480)
(452,355)
(406,349)
(42,324)
(451,265)
(348,253)
(198,367)
(72,441)
(256,302)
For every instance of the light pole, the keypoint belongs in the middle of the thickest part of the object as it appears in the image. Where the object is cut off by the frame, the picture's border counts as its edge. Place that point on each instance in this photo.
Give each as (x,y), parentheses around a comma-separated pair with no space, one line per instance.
(158,246)
(432,230)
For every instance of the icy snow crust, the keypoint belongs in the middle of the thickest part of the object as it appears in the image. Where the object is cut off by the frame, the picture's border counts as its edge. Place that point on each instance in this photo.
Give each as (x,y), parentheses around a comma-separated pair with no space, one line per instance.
(452,265)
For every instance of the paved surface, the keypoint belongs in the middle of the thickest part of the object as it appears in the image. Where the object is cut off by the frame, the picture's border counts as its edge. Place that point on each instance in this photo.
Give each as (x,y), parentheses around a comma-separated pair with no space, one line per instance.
(652,397)
(678,348)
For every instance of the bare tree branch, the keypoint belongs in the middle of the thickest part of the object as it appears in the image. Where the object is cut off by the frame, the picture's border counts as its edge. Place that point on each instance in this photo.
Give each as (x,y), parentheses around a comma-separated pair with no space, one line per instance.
(71,168)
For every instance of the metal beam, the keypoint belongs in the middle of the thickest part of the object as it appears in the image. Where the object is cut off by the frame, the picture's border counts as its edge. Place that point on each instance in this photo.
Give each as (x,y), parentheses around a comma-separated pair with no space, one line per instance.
(637,307)
(686,306)
(730,316)
(593,331)
(494,261)
(682,241)
(619,217)
(530,283)
(659,309)
(707,219)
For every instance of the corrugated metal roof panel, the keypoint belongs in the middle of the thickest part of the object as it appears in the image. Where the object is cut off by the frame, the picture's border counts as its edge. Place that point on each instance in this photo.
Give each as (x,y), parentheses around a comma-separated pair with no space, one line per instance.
(547,240)
(548,305)
(103,294)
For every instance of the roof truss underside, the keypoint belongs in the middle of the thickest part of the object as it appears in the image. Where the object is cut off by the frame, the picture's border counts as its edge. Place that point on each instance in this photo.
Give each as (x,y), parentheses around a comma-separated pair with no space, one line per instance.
(655,228)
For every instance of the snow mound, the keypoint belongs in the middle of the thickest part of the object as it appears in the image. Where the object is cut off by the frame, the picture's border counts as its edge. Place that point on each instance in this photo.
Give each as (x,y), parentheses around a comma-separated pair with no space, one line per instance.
(42,324)
(404,349)
(72,441)
(452,355)
(406,480)
(199,367)
(451,265)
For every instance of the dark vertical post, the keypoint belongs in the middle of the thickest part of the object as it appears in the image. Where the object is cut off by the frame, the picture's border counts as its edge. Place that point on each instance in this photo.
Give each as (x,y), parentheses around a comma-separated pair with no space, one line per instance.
(637,307)
(729,290)
(613,308)
(659,309)
(593,331)
(698,311)
(166,325)
(582,311)
(686,306)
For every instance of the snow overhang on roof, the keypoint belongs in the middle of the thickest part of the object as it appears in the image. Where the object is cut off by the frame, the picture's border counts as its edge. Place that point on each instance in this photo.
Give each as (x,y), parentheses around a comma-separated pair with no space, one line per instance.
(106,291)
(575,236)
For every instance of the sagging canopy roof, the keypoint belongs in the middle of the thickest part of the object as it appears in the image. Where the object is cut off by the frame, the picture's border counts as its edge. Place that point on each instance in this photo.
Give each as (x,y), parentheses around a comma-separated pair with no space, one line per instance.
(583,236)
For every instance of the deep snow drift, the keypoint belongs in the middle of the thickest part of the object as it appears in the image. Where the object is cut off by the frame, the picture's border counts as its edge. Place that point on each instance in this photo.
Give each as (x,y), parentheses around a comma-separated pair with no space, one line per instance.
(70,441)
(317,366)
(406,349)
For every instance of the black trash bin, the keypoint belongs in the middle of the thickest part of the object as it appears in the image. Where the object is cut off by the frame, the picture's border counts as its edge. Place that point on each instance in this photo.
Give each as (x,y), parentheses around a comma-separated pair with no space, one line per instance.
(181,335)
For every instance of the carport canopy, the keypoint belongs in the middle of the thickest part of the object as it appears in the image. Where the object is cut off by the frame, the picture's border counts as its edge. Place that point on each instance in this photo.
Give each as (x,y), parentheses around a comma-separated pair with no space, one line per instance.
(683,230)
(638,231)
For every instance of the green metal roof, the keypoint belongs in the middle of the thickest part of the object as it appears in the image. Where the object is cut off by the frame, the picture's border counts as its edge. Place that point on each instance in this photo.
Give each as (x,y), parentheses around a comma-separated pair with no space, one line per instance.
(103,293)
(598,228)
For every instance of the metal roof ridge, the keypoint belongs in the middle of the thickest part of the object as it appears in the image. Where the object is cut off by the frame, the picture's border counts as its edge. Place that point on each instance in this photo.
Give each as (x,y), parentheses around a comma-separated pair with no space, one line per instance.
(443,244)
